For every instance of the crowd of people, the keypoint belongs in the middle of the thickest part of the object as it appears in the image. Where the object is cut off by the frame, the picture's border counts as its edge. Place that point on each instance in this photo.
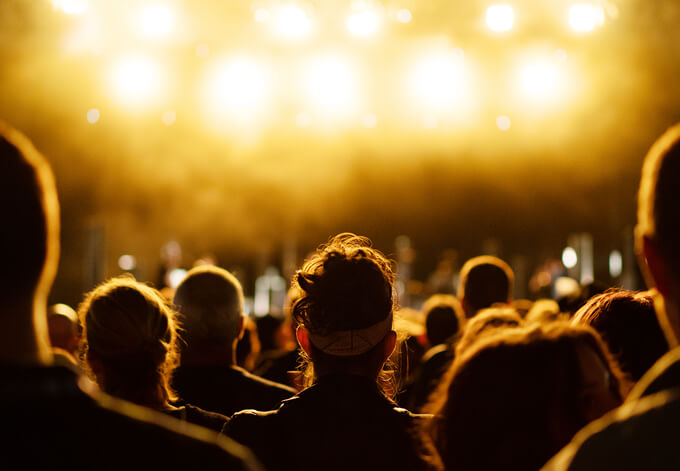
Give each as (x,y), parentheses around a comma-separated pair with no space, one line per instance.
(133,378)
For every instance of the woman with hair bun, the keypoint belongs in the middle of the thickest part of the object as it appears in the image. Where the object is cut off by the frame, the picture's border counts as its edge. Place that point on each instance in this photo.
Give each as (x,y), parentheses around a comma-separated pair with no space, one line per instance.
(344,419)
(130,348)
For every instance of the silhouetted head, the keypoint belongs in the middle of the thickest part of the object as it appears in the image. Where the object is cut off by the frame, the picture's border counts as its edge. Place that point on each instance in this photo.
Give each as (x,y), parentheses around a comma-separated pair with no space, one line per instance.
(444,318)
(29,215)
(210,300)
(484,281)
(130,341)
(63,327)
(344,311)
(516,398)
(487,322)
(545,310)
(628,325)
(658,226)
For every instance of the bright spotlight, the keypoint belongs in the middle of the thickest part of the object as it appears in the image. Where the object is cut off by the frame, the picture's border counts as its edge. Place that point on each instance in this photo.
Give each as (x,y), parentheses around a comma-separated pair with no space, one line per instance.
(156,20)
(261,15)
(615,263)
(503,123)
(369,120)
(541,80)
(584,17)
(291,22)
(135,80)
(569,257)
(127,262)
(92,115)
(71,7)
(238,90)
(169,117)
(363,23)
(404,16)
(331,85)
(500,17)
(438,80)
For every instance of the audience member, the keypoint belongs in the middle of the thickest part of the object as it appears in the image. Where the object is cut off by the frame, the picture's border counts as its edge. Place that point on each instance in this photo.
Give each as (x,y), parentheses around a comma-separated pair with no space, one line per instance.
(488,321)
(343,420)
(545,310)
(484,281)
(628,325)
(516,397)
(642,434)
(210,300)
(51,420)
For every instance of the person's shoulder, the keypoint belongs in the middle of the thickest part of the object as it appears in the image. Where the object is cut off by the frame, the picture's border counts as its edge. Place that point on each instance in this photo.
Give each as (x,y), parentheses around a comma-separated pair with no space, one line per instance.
(664,374)
(638,435)
(272,387)
(204,418)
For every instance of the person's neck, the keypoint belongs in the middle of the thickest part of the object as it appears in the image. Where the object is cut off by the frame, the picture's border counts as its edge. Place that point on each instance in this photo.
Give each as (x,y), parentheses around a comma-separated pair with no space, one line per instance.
(24,340)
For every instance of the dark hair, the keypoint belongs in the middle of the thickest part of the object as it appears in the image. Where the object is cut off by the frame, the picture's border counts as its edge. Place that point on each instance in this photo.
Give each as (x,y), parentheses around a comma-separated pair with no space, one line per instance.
(627,322)
(131,333)
(514,399)
(658,197)
(444,318)
(485,281)
(29,211)
(345,285)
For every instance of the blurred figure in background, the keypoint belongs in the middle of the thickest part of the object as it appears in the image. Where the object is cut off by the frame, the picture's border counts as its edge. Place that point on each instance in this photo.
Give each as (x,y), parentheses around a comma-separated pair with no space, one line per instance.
(628,325)
(64,330)
(342,420)
(210,301)
(130,346)
(488,322)
(545,310)
(515,397)
(87,429)
(484,281)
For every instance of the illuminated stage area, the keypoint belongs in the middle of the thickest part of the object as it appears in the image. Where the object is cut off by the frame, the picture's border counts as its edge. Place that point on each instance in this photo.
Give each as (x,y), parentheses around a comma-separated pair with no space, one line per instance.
(255,129)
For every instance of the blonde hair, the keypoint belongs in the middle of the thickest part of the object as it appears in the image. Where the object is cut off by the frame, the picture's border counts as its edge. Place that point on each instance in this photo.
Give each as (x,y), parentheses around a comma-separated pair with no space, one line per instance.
(132,334)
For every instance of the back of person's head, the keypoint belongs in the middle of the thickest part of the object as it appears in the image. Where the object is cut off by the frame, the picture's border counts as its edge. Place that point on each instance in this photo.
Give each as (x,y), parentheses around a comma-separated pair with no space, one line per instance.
(130,341)
(210,300)
(63,327)
(545,310)
(517,397)
(267,328)
(345,305)
(487,322)
(484,281)
(628,325)
(29,210)
(444,318)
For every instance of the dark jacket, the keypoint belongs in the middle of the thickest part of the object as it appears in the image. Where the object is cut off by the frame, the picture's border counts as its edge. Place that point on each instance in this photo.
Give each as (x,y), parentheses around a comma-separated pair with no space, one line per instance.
(341,423)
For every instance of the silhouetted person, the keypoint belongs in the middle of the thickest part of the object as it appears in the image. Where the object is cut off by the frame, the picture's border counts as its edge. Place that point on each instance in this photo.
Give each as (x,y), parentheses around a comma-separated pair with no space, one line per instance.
(130,347)
(484,281)
(444,321)
(514,398)
(488,321)
(50,419)
(210,300)
(628,325)
(343,420)
(64,331)
(643,433)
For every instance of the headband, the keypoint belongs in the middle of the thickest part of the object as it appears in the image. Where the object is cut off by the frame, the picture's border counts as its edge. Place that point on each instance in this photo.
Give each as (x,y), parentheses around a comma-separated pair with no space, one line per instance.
(346,343)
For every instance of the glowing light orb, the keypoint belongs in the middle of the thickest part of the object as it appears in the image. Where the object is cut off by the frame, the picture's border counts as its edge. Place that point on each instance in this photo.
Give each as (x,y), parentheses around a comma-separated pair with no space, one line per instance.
(291,22)
(404,16)
(127,262)
(169,117)
(369,120)
(500,18)
(438,81)
(569,257)
(541,80)
(363,23)
(331,85)
(503,123)
(238,90)
(92,115)
(71,7)
(156,20)
(135,80)
(615,263)
(585,17)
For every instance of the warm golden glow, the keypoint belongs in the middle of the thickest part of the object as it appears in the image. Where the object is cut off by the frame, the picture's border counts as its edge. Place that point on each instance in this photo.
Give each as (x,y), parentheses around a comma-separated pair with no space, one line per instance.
(364,22)
(439,81)
(500,17)
(585,17)
(71,7)
(290,22)
(156,20)
(135,81)
(331,85)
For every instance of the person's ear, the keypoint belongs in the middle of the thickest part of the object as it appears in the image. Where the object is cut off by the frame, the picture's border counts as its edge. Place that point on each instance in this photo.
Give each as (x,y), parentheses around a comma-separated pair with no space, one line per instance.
(653,267)
(241,327)
(303,339)
(389,344)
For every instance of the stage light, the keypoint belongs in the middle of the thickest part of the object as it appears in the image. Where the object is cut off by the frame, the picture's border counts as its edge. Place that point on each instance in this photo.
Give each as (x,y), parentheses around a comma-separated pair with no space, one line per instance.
(127,262)
(135,80)
(169,117)
(92,115)
(363,23)
(71,7)
(291,22)
(369,120)
(430,122)
(542,80)
(569,257)
(500,18)
(237,89)
(438,80)
(404,16)
(585,17)
(615,263)
(503,123)
(331,85)
(156,20)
